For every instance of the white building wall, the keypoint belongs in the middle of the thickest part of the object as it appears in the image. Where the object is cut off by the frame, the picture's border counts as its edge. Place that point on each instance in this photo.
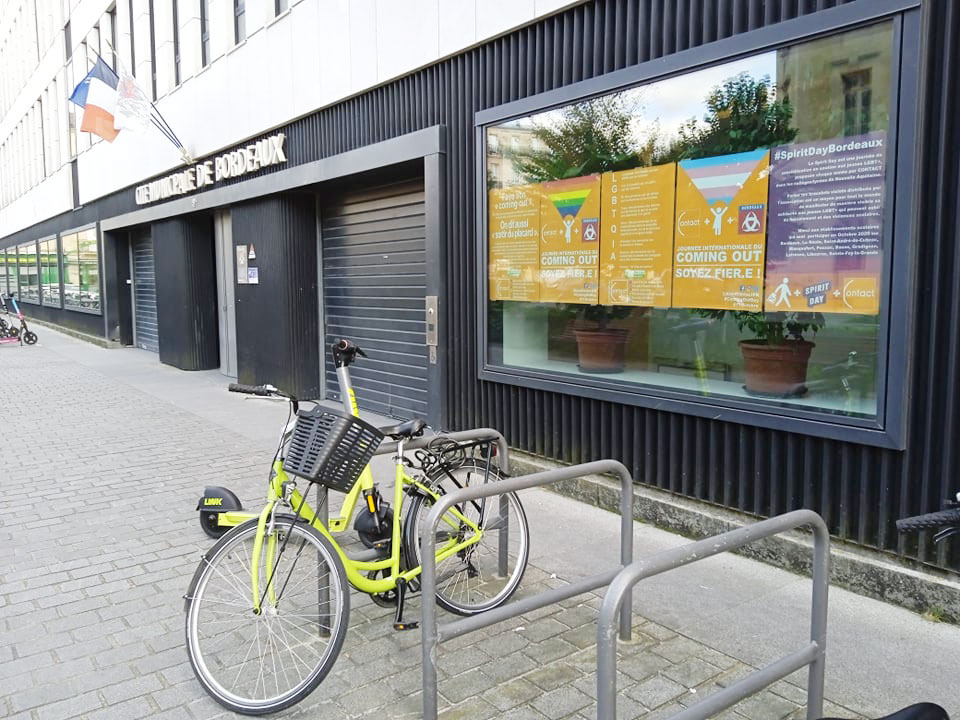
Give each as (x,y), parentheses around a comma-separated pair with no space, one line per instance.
(313,55)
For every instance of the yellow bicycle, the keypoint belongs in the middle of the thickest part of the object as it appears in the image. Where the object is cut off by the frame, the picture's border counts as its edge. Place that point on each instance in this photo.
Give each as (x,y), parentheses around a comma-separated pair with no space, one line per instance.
(268,606)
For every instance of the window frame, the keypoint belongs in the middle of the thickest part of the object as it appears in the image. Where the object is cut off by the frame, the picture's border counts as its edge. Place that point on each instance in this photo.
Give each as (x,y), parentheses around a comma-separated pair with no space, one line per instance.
(43,298)
(99,239)
(894,359)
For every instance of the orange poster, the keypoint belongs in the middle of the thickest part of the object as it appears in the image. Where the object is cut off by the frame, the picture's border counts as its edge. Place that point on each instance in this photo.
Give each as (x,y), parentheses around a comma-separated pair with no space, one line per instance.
(719,245)
(514,231)
(637,244)
(570,240)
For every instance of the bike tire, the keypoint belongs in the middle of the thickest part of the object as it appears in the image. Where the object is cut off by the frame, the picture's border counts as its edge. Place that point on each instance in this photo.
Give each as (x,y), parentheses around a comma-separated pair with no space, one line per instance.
(215,591)
(454,573)
(942,518)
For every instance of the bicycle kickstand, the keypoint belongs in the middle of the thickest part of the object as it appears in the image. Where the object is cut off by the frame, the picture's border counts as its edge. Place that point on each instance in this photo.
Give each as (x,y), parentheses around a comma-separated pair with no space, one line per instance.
(398,623)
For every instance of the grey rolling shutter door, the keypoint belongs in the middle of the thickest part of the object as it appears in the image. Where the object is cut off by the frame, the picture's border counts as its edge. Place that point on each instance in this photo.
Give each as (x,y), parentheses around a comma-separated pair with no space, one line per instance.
(374,283)
(145,294)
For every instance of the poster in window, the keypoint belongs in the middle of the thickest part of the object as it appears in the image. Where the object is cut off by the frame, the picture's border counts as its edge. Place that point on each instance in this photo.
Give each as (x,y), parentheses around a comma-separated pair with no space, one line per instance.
(637,241)
(720,231)
(514,230)
(570,240)
(826,218)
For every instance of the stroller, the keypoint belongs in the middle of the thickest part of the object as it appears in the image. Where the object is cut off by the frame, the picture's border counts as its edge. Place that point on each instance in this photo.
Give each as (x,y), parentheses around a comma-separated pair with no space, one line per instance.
(14,331)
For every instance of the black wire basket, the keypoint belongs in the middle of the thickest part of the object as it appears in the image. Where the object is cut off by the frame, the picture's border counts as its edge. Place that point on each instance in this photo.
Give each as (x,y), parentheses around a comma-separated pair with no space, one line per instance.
(330,447)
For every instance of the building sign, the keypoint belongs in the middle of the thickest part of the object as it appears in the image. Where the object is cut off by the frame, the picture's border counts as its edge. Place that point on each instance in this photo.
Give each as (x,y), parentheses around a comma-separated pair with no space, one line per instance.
(719,242)
(826,216)
(236,163)
(515,243)
(570,240)
(637,240)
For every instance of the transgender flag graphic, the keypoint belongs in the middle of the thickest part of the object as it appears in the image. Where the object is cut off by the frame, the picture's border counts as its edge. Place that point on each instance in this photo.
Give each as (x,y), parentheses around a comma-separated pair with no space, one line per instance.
(720,178)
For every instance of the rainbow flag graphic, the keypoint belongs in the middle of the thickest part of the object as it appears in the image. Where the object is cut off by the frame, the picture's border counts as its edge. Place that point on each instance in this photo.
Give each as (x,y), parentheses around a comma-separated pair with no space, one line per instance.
(569,202)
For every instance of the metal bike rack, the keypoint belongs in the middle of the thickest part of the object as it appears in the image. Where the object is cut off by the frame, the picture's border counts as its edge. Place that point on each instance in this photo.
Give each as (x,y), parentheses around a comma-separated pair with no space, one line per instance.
(503,462)
(617,601)
(503,451)
(433,634)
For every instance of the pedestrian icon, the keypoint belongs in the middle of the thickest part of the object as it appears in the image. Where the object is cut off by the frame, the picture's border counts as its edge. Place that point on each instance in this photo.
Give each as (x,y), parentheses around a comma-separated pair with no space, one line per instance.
(781,294)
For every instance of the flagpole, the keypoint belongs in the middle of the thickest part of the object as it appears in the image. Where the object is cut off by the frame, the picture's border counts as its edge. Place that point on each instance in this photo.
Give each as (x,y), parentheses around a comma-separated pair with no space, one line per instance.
(159,121)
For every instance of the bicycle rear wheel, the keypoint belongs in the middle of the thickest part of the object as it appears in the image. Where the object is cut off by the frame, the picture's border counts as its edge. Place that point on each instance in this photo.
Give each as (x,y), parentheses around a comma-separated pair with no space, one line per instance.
(258,664)
(483,575)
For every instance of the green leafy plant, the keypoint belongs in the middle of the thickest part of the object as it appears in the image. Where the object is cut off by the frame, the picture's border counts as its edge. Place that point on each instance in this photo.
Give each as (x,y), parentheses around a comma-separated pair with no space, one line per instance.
(588,137)
(774,328)
(742,114)
(601,315)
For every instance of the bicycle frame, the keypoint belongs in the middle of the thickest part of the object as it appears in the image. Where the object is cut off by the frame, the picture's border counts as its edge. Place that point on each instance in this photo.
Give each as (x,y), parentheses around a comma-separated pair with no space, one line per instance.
(356,569)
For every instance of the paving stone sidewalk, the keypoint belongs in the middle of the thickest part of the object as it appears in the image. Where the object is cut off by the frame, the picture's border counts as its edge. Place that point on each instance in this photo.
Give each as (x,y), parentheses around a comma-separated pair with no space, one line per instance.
(99,483)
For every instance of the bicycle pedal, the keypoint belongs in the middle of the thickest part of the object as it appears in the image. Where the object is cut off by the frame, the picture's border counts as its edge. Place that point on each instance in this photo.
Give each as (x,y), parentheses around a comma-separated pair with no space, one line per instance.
(406,626)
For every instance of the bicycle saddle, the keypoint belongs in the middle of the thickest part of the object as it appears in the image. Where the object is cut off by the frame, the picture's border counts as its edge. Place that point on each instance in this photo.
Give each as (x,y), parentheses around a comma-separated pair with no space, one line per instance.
(920,711)
(409,429)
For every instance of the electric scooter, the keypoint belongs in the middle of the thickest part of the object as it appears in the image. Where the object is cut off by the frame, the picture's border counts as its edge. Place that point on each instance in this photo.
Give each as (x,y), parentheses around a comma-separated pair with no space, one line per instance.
(10,332)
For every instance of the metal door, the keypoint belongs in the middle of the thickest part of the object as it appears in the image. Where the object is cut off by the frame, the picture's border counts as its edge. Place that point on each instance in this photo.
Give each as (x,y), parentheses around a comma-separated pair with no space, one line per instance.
(144,293)
(225,293)
(374,285)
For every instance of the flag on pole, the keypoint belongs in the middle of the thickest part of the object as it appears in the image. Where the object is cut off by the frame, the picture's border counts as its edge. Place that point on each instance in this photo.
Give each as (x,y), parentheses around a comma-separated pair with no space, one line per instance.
(134,109)
(97,95)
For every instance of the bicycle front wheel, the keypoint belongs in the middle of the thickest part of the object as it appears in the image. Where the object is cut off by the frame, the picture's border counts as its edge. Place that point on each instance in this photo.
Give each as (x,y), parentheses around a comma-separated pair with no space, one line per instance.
(485,574)
(256,664)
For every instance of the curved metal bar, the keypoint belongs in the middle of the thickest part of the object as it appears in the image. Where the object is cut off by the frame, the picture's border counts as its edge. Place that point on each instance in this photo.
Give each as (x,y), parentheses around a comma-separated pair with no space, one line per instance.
(432,635)
(812,654)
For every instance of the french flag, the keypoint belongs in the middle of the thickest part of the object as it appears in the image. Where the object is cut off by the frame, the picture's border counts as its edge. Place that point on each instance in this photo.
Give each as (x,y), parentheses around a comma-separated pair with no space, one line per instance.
(97,95)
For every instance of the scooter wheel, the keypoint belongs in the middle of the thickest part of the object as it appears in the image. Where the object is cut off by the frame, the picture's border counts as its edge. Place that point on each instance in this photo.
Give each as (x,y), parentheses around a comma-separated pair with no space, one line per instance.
(13,332)
(208,521)
(30,337)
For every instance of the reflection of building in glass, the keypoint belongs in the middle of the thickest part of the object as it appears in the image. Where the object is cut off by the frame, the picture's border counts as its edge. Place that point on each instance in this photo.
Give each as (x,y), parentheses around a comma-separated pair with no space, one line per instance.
(838,85)
(504,144)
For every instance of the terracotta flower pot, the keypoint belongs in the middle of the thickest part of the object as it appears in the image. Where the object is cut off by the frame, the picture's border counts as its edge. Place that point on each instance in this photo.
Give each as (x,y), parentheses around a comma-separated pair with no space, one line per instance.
(601,351)
(775,370)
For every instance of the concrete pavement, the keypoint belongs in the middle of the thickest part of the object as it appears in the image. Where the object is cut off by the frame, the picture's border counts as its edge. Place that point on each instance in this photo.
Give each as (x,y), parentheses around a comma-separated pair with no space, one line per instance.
(104,453)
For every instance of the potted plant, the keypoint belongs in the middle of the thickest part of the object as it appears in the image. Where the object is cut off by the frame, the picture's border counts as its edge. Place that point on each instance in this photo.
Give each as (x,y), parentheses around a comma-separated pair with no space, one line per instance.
(775,359)
(600,348)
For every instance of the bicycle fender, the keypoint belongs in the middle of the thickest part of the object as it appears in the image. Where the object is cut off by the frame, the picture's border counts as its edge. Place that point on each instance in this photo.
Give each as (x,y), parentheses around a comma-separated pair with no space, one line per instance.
(216,499)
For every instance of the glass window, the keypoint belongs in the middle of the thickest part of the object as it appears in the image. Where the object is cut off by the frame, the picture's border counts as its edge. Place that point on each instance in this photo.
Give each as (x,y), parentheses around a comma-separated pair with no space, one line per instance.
(50,272)
(716,236)
(28,273)
(176,45)
(8,271)
(239,21)
(205,32)
(81,271)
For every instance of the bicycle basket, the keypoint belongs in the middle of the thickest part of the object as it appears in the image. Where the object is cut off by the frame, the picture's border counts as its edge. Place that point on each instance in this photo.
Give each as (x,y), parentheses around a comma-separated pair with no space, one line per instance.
(330,447)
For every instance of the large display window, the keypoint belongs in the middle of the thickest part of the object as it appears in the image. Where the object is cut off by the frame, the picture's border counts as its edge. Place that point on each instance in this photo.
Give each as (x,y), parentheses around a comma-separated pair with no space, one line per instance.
(28,273)
(8,271)
(81,270)
(50,273)
(720,236)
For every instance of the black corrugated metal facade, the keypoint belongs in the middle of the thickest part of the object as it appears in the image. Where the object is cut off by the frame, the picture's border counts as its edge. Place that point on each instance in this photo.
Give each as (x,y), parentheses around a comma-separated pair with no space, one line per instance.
(859,490)
(186,289)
